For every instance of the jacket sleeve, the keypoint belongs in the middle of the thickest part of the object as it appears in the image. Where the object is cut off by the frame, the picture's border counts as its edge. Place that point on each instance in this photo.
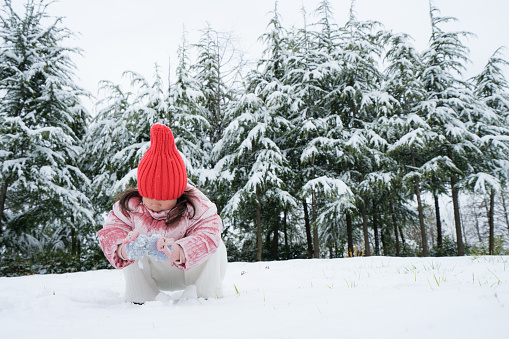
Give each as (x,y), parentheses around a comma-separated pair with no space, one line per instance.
(203,234)
(114,231)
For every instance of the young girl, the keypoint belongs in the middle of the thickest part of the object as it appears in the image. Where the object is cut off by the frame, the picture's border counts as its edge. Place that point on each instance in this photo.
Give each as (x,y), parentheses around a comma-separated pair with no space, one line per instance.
(166,234)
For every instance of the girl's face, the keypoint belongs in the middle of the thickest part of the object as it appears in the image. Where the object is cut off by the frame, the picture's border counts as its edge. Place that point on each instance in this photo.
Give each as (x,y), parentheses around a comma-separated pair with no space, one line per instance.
(159,205)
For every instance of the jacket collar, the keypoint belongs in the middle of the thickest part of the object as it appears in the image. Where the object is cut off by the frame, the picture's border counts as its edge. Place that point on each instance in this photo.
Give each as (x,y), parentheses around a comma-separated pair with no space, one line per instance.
(161,215)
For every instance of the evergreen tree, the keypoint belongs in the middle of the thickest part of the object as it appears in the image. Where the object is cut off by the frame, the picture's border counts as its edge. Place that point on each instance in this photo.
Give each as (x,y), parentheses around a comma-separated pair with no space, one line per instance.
(216,70)
(405,124)
(187,117)
(353,93)
(43,201)
(302,76)
(448,102)
(254,162)
(257,164)
(488,122)
(108,134)
(311,66)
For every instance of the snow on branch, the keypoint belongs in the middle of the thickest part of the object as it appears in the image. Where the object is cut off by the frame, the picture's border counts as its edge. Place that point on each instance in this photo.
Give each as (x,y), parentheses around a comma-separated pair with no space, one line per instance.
(381,180)
(335,208)
(331,187)
(233,204)
(284,197)
(433,168)
(496,140)
(414,138)
(483,182)
(50,130)
(138,149)
(122,183)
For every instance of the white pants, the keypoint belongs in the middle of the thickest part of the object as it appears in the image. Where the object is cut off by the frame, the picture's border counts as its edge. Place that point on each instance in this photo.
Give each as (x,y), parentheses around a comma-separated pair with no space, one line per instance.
(146,277)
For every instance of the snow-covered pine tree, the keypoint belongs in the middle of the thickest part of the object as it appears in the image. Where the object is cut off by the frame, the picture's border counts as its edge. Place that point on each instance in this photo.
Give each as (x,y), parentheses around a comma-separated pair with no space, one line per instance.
(256,166)
(404,124)
(302,80)
(328,34)
(489,122)
(188,118)
(328,44)
(43,201)
(252,158)
(217,70)
(106,135)
(448,101)
(268,83)
(351,96)
(312,63)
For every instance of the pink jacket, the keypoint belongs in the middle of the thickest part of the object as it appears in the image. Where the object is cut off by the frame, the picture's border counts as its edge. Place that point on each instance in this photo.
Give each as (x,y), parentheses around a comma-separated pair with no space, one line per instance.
(199,237)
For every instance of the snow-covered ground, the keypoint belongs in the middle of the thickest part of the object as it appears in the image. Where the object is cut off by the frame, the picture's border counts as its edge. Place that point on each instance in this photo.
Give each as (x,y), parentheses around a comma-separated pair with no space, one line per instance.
(377,297)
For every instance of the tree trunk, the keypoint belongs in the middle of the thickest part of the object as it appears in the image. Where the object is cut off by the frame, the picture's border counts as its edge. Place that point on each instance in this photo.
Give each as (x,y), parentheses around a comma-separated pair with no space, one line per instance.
(402,236)
(275,241)
(384,242)
(74,246)
(308,228)
(316,241)
(259,244)
(3,196)
(457,220)
(395,226)
(349,234)
(491,222)
(424,235)
(477,228)
(417,192)
(375,230)
(506,215)
(285,230)
(316,245)
(218,94)
(367,250)
(439,222)
(74,238)
(464,232)
(267,237)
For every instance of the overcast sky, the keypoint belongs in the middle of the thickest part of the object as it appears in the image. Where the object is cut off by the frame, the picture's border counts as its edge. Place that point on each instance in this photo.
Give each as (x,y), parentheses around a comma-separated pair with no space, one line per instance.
(120,35)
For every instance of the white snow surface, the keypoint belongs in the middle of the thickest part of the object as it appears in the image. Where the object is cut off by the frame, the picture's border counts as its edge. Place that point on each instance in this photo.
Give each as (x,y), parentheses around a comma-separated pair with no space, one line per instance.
(373,297)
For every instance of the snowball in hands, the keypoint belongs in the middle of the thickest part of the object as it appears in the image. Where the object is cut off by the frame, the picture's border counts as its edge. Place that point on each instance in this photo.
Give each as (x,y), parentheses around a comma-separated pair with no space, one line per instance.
(156,246)
(136,248)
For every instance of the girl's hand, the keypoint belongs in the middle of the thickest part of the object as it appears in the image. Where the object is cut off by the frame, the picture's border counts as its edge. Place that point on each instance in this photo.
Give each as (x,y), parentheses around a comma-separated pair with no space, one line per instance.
(177,255)
(134,246)
(159,248)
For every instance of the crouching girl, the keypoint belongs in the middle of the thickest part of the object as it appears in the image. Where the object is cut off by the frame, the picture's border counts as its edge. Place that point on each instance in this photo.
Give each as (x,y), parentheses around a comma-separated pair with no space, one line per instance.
(165,234)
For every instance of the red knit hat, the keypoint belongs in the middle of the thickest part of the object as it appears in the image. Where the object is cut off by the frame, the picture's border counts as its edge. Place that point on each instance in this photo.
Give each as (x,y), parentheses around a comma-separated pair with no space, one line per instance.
(161,172)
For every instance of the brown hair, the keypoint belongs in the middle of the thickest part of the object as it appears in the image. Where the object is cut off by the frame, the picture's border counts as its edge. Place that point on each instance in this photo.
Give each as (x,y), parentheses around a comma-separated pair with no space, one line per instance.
(174,214)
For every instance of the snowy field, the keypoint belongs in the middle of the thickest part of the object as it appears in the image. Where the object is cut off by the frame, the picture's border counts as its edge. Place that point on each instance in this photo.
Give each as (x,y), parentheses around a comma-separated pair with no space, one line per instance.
(377,297)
